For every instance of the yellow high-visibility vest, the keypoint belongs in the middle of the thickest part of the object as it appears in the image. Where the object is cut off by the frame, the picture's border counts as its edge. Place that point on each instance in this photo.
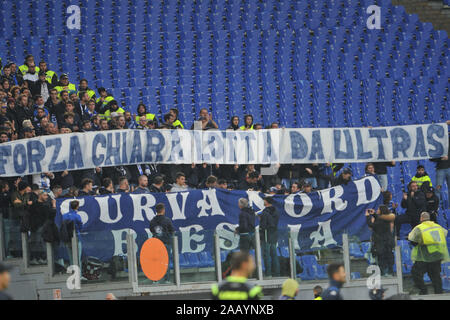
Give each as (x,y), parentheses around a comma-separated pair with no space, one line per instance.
(432,244)
(177,123)
(70,87)
(148,116)
(108,112)
(421,180)
(90,93)
(244,128)
(24,69)
(107,100)
(49,76)
(432,233)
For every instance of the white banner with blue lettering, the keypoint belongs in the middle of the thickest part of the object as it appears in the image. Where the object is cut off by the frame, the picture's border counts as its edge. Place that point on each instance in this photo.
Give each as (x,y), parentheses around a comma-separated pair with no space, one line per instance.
(316,220)
(124,147)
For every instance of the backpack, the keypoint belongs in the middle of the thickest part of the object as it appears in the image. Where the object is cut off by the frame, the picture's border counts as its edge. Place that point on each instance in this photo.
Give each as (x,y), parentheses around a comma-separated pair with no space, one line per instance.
(92,268)
(66,231)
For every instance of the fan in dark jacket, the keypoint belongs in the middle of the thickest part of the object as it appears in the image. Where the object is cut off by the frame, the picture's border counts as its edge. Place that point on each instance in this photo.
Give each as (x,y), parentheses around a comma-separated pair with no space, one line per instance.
(39,212)
(382,237)
(246,228)
(107,187)
(268,232)
(415,203)
(432,202)
(160,226)
(344,178)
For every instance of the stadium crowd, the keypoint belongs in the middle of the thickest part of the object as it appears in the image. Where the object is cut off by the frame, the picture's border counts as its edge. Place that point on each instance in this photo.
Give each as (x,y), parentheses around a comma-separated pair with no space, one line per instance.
(34,101)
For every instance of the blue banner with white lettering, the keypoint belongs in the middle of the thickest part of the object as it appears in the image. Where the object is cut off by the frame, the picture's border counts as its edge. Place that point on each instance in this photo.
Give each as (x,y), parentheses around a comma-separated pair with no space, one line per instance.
(86,150)
(315,220)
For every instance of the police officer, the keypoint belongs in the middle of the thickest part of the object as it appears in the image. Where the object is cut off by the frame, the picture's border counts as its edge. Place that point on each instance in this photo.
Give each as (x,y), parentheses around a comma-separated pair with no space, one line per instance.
(336,274)
(429,251)
(236,286)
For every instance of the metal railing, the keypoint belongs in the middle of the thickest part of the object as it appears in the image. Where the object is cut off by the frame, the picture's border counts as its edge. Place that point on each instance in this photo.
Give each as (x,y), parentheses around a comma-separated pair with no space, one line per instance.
(177,286)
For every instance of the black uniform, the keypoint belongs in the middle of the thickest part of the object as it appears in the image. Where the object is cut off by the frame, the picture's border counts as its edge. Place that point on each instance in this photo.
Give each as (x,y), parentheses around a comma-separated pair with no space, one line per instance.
(246,228)
(333,292)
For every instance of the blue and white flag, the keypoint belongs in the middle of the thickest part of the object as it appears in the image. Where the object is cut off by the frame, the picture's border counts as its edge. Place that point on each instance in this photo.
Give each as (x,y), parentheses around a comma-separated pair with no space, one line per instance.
(316,220)
(77,151)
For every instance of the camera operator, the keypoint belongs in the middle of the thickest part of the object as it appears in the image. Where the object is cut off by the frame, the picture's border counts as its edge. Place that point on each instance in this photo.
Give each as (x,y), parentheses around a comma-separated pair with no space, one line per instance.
(382,238)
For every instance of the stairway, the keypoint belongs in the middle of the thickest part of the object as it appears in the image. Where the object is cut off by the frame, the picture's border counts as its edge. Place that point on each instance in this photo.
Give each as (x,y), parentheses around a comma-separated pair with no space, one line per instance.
(428,11)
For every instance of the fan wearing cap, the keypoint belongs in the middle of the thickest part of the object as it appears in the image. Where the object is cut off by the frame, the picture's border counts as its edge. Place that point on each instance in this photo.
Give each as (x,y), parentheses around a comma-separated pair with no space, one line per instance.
(113,107)
(344,178)
(268,232)
(64,84)
(5,278)
(306,186)
(28,132)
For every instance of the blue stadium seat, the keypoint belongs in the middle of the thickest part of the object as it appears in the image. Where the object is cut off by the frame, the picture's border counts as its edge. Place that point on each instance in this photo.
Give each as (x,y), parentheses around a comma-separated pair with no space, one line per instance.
(311,268)
(355,250)
(206,259)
